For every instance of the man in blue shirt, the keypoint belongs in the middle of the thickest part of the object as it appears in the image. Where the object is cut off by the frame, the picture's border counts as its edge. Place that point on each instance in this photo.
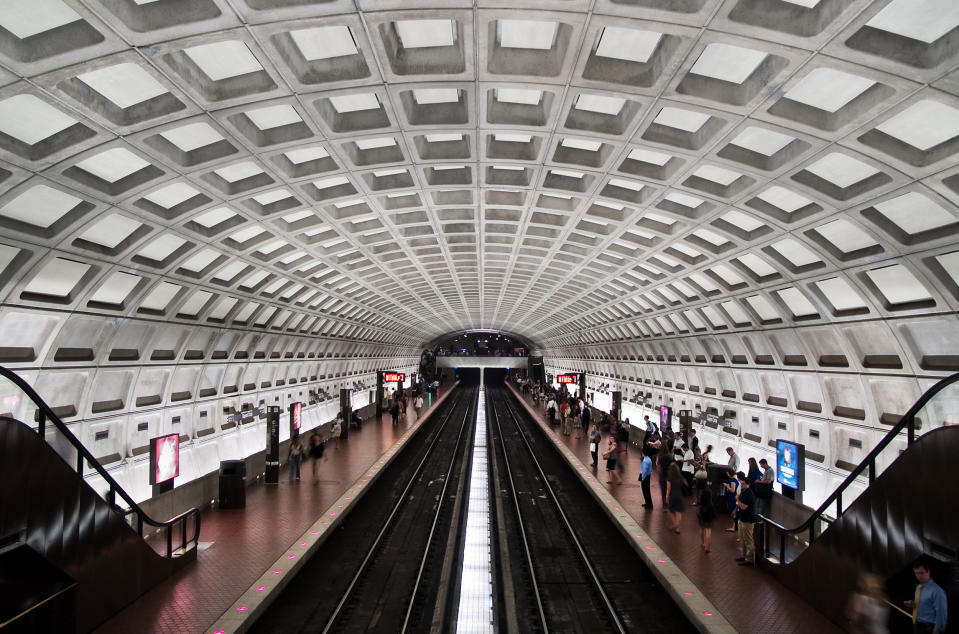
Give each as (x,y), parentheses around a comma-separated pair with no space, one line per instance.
(650,426)
(929,607)
(644,476)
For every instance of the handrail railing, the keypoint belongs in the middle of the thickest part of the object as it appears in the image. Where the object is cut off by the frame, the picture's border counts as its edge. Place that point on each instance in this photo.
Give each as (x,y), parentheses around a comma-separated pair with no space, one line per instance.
(907,423)
(45,413)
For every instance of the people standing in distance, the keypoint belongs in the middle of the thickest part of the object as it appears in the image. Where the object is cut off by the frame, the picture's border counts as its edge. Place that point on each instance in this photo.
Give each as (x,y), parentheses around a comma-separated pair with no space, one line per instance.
(296,455)
(746,514)
(645,475)
(674,496)
(706,513)
(611,455)
(551,411)
(316,452)
(733,459)
(595,437)
(337,429)
(395,411)
(418,405)
(730,491)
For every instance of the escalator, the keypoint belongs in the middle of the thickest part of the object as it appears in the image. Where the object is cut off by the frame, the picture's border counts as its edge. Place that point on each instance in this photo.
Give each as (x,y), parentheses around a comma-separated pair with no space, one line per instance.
(71,556)
(908,510)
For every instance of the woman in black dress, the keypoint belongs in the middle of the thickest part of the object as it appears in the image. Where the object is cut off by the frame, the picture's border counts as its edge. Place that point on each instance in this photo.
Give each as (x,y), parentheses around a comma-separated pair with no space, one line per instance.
(674,496)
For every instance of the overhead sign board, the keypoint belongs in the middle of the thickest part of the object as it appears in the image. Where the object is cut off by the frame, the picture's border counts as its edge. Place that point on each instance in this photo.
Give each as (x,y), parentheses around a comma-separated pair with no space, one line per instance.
(394,377)
(566,378)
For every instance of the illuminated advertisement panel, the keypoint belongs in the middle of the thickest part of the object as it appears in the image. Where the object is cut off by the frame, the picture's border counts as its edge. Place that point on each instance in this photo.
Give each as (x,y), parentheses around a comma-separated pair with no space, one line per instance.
(665,417)
(790,464)
(164,458)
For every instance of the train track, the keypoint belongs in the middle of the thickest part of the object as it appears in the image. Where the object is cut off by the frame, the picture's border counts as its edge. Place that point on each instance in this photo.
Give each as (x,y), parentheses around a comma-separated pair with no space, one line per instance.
(572,571)
(389,567)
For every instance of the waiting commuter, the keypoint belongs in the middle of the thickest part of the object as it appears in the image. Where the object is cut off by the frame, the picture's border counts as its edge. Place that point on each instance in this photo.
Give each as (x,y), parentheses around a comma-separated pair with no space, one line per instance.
(706,513)
(733,459)
(337,429)
(689,468)
(754,473)
(595,437)
(929,606)
(551,411)
(731,490)
(395,412)
(586,416)
(316,452)
(663,460)
(645,475)
(764,488)
(746,514)
(611,455)
(296,455)
(674,496)
(418,405)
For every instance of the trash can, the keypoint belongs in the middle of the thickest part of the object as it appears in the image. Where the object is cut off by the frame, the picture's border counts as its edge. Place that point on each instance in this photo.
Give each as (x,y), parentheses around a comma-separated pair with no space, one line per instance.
(232,484)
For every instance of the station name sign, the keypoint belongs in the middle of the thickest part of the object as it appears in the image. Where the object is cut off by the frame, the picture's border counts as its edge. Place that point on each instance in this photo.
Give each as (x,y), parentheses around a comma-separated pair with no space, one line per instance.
(394,377)
(566,378)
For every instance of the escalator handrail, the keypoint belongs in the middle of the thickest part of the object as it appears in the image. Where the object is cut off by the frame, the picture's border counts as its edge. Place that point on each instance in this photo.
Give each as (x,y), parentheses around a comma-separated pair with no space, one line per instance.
(907,423)
(115,487)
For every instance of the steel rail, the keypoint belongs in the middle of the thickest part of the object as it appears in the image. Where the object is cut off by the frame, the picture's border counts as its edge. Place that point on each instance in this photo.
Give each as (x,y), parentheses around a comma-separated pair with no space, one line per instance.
(569,527)
(401,499)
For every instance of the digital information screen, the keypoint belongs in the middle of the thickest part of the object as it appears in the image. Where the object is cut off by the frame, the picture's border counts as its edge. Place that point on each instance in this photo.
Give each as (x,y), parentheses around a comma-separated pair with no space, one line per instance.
(790,464)
(394,377)
(164,458)
(566,378)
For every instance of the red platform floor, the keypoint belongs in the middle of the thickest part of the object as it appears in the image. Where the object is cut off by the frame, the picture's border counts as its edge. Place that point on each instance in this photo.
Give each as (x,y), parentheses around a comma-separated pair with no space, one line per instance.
(245,542)
(750,599)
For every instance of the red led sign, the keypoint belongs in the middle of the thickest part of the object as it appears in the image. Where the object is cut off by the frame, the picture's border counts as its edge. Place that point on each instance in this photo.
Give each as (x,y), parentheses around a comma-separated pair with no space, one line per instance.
(566,378)
(393,377)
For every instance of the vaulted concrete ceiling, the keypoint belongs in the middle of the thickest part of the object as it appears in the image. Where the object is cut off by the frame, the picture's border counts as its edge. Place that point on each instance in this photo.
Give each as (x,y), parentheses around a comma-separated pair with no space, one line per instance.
(569,170)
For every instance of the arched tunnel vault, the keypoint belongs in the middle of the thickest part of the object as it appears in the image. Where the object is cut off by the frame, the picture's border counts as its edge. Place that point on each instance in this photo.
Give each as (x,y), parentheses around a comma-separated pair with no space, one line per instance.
(202,202)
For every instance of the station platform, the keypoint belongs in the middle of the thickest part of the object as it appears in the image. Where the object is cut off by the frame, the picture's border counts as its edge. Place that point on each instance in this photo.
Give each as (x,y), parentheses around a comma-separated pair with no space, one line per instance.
(749,599)
(239,546)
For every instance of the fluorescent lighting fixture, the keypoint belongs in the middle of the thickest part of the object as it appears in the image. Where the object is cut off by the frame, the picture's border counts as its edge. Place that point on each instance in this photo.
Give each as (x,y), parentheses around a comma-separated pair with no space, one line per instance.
(717,174)
(923,125)
(529,34)
(782,198)
(214,217)
(324,42)
(335,181)
(389,172)
(841,170)
(171,195)
(426,33)
(268,198)
(626,184)
(683,199)
(922,20)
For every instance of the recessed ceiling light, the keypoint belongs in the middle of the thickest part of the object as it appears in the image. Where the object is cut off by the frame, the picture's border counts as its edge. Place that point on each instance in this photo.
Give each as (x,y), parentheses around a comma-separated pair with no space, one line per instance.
(26,18)
(686,120)
(728,63)
(372,144)
(828,89)
(31,120)
(192,136)
(273,116)
(582,144)
(355,102)
(124,84)
(600,103)
(509,137)
(113,164)
(427,96)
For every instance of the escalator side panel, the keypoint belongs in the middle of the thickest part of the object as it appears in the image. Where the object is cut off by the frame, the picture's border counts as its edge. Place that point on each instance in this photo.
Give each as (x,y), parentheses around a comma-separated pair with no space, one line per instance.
(67,522)
(906,512)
